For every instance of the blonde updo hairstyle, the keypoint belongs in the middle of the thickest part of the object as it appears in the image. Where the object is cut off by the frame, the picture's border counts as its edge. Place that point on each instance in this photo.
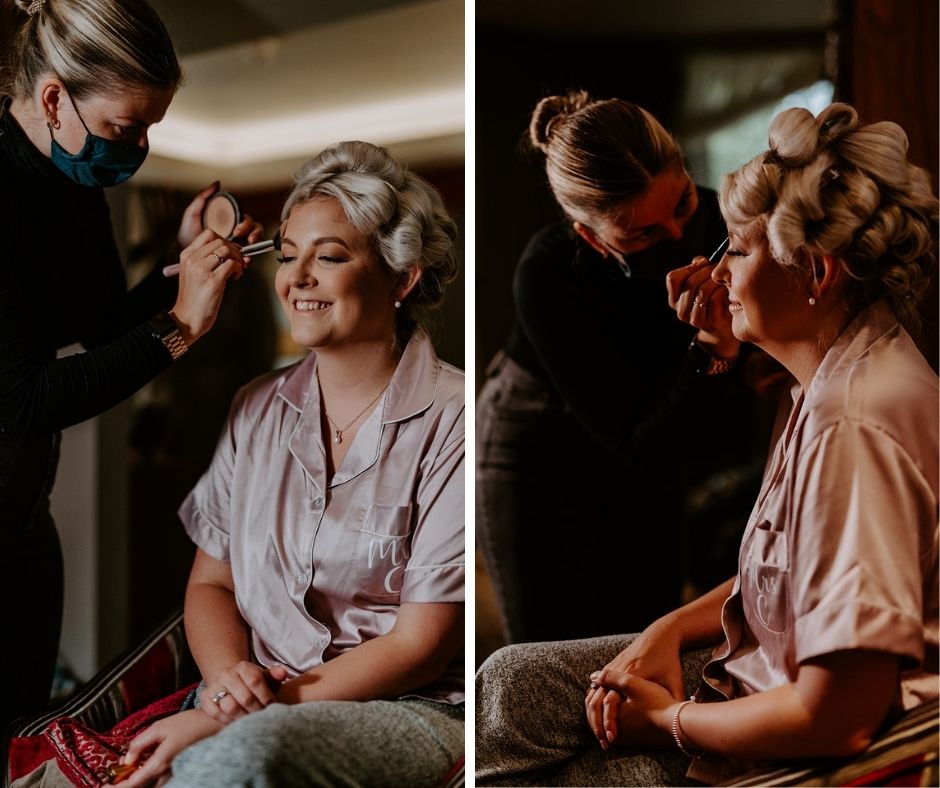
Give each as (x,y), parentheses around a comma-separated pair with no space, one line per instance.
(599,154)
(402,214)
(91,45)
(830,185)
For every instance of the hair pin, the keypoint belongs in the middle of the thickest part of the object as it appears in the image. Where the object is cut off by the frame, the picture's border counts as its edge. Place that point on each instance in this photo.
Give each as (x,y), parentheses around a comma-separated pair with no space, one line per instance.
(35,7)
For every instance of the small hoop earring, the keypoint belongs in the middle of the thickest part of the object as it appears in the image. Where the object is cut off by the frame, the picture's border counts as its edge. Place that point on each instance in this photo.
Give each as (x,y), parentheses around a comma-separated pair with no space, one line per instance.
(398,305)
(812,301)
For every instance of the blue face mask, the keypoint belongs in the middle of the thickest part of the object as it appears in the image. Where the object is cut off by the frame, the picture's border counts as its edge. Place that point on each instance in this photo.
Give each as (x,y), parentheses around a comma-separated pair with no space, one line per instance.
(100,162)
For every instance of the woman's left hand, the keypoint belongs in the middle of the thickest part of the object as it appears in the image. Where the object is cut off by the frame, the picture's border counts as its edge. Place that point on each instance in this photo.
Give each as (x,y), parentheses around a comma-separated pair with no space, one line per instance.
(638,715)
(164,740)
(248,231)
(703,303)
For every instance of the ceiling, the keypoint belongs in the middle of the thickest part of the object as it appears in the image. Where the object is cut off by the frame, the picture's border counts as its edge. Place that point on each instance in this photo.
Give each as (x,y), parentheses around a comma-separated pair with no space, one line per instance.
(667,18)
(268,83)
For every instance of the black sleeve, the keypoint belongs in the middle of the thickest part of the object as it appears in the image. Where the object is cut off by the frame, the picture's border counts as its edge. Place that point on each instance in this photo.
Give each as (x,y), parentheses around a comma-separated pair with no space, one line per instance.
(154,293)
(41,394)
(604,381)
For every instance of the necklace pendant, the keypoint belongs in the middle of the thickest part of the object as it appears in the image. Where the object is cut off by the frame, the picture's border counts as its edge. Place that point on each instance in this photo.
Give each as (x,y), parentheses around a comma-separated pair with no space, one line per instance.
(338,438)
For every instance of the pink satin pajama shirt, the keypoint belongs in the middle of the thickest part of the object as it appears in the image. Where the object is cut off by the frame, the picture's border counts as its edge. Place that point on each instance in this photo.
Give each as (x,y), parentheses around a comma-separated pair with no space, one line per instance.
(321,567)
(840,551)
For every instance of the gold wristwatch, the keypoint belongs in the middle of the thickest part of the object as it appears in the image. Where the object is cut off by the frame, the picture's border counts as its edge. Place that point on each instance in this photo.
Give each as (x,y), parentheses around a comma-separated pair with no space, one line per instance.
(705,363)
(165,329)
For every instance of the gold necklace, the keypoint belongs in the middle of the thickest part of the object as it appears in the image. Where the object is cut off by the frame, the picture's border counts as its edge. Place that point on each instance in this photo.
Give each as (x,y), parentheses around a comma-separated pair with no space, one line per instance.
(338,431)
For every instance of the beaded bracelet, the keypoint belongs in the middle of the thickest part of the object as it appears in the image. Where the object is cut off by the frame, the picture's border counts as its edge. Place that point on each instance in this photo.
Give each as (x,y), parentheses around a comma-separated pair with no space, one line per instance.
(676,728)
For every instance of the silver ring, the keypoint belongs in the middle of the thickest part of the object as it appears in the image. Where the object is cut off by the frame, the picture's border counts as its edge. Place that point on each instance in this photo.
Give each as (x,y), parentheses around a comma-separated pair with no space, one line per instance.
(218,696)
(220,259)
(698,303)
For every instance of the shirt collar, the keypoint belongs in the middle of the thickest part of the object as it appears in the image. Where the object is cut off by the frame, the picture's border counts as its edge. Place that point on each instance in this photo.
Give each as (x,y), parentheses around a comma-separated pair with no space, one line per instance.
(410,391)
(869,326)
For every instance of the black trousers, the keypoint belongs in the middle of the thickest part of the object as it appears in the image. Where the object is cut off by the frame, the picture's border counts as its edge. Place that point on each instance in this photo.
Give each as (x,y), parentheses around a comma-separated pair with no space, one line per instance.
(574,545)
(31,573)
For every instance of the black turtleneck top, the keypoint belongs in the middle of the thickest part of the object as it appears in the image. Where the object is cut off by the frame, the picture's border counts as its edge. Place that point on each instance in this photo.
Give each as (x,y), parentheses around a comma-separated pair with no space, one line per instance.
(604,340)
(61,282)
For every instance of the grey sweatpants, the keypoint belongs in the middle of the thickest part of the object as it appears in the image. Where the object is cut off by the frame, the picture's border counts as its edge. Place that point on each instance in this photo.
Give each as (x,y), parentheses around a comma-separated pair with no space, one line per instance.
(531,727)
(329,743)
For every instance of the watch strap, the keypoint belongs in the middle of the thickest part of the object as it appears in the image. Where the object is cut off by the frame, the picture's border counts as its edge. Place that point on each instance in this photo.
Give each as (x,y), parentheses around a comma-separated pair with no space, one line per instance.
(705,363)
(164,328)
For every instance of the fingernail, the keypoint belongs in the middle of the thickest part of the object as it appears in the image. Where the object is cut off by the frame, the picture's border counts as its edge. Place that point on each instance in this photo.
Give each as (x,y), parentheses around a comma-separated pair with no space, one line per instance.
(610,736)
(595,675)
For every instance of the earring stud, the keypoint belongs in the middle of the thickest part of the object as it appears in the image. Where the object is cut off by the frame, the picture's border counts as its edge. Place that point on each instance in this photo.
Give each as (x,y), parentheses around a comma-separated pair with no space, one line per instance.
(398,305)
(812,301)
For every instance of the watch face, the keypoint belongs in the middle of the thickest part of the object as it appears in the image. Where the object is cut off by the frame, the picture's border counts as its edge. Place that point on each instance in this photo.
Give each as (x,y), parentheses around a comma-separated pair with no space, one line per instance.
(163,324)
(701,358)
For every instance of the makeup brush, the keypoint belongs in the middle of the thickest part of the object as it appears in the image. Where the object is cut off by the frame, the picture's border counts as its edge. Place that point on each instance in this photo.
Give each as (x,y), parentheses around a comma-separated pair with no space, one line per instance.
(249,251)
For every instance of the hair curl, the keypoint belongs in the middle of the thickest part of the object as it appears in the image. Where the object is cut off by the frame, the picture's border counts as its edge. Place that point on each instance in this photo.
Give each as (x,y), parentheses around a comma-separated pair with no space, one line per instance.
(90,45)
(830,185)
(599,154)
(402,214)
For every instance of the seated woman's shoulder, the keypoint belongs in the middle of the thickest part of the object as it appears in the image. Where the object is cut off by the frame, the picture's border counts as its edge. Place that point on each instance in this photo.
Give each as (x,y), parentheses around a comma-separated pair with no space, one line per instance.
(450,392)
(891,390)
(257,395)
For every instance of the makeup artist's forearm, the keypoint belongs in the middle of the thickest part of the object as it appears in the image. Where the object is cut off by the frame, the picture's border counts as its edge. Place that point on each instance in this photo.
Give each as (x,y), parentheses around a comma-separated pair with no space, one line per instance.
(699,622)
(215,630)
(384,667)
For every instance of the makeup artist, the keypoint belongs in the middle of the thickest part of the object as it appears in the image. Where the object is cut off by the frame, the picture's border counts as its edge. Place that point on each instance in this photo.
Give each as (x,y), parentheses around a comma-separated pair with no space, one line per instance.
(591,426)
(83,83)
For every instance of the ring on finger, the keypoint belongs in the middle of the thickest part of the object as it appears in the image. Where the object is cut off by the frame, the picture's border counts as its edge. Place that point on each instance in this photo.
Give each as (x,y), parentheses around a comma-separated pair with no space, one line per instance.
(697,302)
(218,696)
(218,257)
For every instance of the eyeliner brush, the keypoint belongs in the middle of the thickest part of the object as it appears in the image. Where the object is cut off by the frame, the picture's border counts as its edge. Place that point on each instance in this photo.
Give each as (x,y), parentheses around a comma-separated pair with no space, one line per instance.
(716,255)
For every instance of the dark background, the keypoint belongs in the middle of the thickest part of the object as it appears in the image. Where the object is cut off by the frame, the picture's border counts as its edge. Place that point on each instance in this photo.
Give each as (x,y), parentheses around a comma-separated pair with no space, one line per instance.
(880,55)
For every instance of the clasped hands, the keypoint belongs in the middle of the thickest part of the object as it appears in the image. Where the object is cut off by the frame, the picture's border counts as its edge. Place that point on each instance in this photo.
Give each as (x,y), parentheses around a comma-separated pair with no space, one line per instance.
(631,701)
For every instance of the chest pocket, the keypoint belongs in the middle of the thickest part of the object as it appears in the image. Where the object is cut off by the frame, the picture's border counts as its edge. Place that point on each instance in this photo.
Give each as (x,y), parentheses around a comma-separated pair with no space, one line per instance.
(768,586)
(383,550)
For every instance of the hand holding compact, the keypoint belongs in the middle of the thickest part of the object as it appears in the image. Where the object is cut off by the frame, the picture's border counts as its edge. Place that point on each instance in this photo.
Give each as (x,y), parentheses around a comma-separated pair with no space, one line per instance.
(220,212)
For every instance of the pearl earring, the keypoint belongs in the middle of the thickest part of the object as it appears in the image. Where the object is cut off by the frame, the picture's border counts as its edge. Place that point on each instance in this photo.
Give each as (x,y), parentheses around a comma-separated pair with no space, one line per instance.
(398,305)
(812,301)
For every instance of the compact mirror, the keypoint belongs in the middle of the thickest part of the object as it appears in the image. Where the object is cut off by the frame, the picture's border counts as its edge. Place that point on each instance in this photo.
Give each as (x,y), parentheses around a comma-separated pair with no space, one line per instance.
(222,214)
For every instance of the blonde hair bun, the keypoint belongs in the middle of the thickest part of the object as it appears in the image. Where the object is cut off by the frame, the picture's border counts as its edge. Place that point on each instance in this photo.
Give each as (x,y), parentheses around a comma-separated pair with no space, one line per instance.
(549,111)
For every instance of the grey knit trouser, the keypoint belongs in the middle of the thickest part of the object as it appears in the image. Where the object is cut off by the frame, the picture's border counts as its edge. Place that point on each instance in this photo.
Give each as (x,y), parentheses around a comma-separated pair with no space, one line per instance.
(409,743)
(531,727)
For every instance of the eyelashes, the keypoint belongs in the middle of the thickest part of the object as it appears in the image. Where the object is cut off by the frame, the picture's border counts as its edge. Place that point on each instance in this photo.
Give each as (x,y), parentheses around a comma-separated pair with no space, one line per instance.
(322,258)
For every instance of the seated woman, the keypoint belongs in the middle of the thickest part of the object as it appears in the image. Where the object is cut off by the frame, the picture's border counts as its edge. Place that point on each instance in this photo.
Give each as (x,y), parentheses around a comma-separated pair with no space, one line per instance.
(330,524)
(831,622)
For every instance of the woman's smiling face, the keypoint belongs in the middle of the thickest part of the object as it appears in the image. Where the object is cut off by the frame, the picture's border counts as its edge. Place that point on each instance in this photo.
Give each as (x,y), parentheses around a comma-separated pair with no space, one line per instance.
(765,299)
(333,288)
